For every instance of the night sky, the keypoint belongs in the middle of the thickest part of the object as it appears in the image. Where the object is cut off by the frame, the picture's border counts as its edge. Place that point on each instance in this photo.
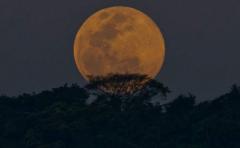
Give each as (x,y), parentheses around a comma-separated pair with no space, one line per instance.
(202,43)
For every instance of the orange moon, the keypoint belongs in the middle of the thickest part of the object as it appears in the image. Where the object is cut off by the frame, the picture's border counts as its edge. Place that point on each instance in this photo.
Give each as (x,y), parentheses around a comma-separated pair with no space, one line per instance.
(119,40)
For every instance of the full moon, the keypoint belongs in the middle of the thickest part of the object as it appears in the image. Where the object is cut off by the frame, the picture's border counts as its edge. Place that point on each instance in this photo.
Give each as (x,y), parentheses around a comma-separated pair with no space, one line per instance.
(119,40)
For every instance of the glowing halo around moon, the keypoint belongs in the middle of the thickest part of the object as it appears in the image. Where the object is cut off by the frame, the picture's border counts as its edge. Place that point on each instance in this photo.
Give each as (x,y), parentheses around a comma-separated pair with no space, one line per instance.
(119,40)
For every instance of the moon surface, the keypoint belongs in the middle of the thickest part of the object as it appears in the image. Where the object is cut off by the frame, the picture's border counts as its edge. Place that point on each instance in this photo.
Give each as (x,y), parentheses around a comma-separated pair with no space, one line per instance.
(119,40)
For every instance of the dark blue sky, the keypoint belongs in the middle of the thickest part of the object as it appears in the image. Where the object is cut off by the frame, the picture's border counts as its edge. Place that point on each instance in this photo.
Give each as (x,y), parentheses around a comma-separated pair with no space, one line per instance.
(202,39)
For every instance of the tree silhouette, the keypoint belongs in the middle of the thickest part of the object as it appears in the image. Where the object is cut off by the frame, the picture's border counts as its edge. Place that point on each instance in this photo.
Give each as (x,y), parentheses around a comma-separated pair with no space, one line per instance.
(123,91)
(60,118)
(126,85)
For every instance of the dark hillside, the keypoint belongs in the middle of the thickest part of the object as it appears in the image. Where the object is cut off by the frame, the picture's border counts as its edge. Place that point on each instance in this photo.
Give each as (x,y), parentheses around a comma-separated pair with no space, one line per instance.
(60,118)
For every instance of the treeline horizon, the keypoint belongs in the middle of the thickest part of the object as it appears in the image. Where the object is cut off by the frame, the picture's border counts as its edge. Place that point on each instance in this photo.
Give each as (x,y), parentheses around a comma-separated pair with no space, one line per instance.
(116,118)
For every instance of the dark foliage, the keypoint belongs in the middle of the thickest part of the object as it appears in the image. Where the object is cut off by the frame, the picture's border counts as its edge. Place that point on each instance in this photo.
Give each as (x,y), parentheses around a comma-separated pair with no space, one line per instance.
(128,85)
(60,118)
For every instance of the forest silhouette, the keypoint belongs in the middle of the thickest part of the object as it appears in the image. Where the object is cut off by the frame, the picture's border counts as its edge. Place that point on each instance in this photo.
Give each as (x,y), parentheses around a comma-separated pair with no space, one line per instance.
(122,115)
